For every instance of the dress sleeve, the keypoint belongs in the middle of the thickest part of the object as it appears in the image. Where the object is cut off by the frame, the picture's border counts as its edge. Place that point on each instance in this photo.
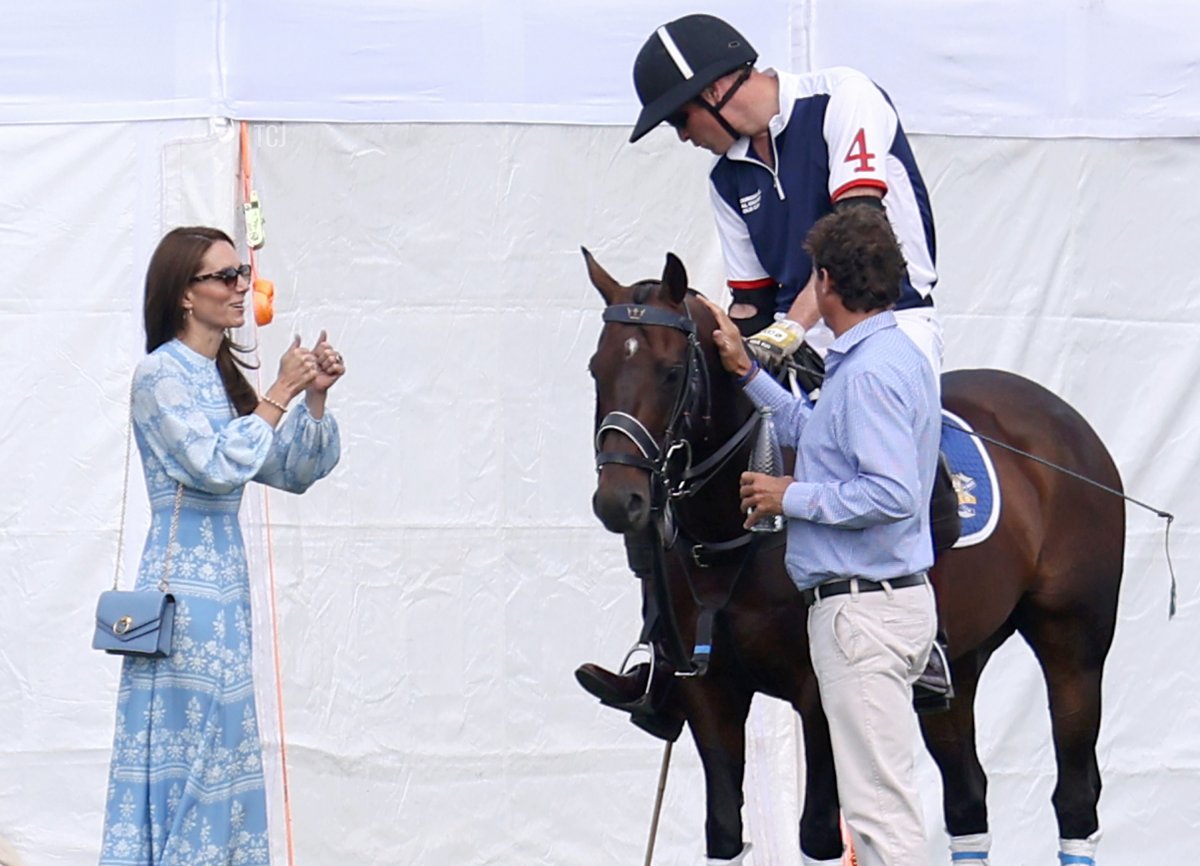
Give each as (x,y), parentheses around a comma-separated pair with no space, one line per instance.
(303,451)
(170,419)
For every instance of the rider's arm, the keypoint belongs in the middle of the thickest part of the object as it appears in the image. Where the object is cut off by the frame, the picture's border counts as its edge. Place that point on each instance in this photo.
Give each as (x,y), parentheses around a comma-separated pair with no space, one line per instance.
(743,270)
(804,309)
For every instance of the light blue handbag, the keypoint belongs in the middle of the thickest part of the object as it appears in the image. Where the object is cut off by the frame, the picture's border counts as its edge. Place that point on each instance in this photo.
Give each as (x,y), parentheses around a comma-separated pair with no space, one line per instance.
(135,623)
(138,622)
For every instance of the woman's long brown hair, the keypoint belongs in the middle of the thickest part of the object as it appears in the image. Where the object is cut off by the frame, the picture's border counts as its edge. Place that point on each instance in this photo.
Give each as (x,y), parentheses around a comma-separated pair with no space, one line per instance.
(174,263)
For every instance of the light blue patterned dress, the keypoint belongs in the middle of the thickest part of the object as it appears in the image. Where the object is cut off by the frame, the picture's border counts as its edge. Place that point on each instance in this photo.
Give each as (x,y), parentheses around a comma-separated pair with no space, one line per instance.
(186,780)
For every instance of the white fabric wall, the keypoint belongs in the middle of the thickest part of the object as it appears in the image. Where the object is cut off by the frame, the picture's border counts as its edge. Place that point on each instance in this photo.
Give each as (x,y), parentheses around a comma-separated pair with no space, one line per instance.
(435,594)
(1118,68)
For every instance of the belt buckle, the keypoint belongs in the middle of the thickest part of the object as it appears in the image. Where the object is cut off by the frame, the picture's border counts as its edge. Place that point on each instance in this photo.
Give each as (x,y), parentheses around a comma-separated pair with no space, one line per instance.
(697,550)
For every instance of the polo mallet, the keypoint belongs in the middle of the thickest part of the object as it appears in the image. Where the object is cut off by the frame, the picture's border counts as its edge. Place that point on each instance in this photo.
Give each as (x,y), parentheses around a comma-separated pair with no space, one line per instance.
(658,798)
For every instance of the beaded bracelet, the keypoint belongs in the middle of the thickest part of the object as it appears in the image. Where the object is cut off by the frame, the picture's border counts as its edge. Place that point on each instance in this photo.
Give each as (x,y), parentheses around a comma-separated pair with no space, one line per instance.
(265,399)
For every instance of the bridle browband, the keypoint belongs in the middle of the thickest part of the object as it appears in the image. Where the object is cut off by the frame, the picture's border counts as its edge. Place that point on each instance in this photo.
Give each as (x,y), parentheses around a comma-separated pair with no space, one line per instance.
(669,464)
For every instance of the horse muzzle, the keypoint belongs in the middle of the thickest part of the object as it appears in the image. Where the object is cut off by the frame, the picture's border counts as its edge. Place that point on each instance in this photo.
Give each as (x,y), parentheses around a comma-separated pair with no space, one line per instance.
(622,504)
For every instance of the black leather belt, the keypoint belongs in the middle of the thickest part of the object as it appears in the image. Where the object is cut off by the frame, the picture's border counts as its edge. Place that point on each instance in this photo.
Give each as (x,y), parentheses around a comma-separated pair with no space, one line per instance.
(843,587)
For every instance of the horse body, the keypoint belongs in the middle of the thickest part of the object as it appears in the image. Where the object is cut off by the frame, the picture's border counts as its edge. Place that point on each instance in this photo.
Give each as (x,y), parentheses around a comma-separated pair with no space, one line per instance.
(1050,571)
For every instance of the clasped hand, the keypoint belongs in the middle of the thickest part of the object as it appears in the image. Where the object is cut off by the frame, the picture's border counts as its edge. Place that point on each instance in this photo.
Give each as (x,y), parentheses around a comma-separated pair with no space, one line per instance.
(313,370)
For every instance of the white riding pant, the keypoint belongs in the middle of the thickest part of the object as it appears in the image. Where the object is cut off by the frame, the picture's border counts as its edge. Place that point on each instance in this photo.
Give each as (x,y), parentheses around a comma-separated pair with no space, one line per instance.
(868,648)
(922,325)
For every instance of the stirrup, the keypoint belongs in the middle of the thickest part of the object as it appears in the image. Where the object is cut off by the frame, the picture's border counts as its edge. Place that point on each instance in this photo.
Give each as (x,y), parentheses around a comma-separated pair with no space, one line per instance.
(942,663)
(648,649)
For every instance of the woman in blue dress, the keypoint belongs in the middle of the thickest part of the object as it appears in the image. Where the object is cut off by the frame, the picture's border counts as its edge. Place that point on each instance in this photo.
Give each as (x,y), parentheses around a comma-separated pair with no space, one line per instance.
(186,780)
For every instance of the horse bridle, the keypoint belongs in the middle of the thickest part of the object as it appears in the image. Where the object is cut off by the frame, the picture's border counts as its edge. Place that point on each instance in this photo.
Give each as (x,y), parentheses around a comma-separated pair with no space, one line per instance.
(672,476)
(670,465)
(662,462)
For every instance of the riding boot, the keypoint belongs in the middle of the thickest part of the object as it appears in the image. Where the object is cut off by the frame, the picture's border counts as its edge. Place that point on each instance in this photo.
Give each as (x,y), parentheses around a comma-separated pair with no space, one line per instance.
(614,690)
(646,699)
(635,691)
(933,689)
(618,690)
(945,523)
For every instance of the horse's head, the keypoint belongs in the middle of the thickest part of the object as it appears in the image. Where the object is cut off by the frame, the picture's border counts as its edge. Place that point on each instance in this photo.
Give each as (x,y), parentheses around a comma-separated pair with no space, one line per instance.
(651,379)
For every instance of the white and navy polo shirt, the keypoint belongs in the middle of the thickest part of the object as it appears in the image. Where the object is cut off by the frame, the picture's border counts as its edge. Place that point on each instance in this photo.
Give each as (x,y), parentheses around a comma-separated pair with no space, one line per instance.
(836,130)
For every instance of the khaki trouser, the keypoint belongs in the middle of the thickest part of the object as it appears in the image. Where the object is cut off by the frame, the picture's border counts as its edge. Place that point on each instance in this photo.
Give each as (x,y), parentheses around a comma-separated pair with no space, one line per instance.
(867,650)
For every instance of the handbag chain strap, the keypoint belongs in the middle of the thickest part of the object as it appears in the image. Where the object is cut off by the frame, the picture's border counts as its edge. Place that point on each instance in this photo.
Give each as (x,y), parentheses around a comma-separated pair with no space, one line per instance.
(164,581)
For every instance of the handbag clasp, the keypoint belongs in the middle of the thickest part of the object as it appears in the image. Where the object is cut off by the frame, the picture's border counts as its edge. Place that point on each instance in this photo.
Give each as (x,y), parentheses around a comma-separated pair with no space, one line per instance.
(122,625)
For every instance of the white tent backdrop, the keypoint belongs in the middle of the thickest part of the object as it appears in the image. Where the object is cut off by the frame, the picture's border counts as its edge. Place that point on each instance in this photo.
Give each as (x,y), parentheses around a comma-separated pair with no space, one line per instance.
(436,592)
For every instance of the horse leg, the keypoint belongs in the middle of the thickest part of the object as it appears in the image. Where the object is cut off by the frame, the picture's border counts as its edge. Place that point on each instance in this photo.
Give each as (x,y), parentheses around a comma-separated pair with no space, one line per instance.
(1071,648)
(717,710)
(820,830)
(950,739)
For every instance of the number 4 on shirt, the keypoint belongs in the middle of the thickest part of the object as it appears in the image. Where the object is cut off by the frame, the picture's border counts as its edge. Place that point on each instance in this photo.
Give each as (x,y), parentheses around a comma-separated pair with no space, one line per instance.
(858,153)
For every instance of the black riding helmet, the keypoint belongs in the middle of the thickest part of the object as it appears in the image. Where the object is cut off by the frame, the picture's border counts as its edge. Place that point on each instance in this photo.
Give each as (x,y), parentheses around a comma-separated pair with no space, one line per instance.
(679,60)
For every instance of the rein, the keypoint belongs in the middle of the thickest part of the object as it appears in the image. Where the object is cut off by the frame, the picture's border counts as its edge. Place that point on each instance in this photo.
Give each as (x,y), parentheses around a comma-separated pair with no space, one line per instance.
(1158,512)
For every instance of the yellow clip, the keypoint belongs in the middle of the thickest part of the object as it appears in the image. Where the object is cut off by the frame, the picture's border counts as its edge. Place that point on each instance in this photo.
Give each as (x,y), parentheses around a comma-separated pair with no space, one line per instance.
(256,234)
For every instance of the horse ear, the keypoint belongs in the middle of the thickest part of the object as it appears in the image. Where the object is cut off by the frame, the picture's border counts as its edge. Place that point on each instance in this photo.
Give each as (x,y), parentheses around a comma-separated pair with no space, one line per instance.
(605,284)
(674,279)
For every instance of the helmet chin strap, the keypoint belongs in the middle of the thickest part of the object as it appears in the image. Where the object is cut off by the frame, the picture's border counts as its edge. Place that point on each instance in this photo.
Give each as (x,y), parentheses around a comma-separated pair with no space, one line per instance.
(715,110)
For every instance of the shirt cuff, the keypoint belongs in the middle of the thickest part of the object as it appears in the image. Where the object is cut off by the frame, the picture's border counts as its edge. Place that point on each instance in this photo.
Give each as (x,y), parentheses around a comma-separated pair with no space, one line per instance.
(799,500)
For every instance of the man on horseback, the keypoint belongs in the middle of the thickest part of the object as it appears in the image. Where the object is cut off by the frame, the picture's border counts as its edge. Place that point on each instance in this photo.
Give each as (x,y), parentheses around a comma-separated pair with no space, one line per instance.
(858,545)
(791,149)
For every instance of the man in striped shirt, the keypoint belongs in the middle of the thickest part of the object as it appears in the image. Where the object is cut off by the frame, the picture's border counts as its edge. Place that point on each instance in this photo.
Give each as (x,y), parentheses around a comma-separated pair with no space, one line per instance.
(859,545)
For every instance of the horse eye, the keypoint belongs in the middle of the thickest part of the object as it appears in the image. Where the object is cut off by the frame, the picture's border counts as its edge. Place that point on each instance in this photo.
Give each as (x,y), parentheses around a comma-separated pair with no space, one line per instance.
(674,374)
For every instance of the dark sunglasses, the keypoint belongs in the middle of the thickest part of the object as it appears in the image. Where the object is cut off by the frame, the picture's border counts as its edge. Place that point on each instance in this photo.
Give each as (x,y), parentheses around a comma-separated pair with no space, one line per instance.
(678,120)
(229,276)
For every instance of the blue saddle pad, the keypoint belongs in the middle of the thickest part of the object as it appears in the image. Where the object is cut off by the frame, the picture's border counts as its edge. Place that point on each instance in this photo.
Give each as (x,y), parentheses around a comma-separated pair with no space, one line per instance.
(974,479)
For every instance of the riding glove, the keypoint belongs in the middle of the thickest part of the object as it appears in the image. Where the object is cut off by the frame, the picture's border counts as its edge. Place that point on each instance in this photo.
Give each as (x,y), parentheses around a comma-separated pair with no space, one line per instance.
(774,345)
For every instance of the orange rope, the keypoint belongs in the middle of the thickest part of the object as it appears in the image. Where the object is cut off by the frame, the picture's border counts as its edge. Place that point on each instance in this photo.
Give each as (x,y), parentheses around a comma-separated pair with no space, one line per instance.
(849,858)
(287,798)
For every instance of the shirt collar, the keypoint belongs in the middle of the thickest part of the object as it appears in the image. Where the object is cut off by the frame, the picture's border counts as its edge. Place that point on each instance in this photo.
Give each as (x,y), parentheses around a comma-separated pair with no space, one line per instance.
(846,343)
(188,355)
(787,99)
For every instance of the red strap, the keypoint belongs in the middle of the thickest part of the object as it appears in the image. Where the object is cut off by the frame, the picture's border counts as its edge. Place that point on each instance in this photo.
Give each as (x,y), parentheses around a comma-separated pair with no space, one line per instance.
(746,285)
(856,184)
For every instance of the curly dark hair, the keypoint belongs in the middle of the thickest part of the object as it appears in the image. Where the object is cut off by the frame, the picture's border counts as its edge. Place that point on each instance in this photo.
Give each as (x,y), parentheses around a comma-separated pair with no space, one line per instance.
(859,250)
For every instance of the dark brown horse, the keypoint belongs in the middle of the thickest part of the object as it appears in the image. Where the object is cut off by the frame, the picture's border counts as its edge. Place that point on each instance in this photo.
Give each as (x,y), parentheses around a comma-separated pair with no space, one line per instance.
(1050,571)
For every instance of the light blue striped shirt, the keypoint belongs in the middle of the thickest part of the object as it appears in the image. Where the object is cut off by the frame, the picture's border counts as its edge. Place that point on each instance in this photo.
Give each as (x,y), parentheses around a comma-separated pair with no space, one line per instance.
(865,458)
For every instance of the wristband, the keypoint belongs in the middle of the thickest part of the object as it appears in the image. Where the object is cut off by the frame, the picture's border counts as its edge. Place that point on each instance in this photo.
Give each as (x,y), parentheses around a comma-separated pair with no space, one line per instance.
(754,368)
